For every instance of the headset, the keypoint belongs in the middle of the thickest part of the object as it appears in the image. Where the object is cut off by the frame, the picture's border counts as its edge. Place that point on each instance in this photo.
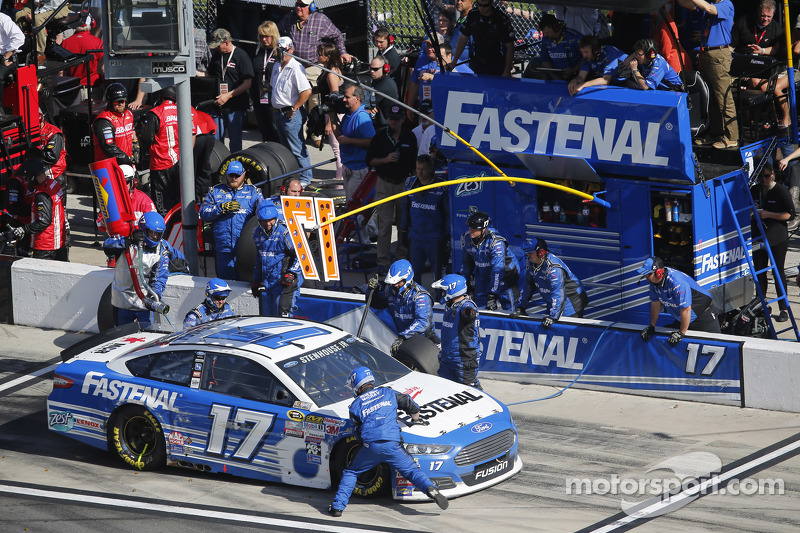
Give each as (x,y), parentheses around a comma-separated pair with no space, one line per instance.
(285,185)
(313,7)
(591,41)
(649,48)
(387,68)
(658,267)
(549,20)
(541,248)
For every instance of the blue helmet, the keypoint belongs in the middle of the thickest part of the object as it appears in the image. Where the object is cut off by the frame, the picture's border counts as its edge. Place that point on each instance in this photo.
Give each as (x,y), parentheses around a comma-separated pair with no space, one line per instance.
(266,210)
(153,226)
(216,287)
(453,286)
(235,167)
(359,377)
(399,271)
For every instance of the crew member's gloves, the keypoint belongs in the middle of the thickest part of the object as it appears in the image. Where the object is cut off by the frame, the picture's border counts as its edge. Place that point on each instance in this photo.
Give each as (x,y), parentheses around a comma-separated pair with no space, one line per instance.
(491,302)
(420,422)
(647,333)
(396,346)
(547,322)
(288,279)
(256,290)
(15,234)
(137,237)
(230,207)
(373,283)
(675,338)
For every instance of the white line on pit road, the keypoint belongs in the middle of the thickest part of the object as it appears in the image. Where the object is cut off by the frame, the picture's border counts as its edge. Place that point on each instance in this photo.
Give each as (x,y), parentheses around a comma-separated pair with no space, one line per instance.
(180,510)
(28,377)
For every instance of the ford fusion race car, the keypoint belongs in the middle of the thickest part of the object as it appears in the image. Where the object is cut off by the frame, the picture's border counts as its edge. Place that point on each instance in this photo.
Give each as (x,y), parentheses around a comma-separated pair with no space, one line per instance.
(266,398)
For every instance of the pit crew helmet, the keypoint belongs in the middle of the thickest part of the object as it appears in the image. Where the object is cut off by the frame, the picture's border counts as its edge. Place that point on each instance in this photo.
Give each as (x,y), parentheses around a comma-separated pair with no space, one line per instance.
(168,93)
(153,226)
(131,178)
(478,220)
(359,377)
(453,285)
(115,91)
(33,167)
(399,271)
(216,287)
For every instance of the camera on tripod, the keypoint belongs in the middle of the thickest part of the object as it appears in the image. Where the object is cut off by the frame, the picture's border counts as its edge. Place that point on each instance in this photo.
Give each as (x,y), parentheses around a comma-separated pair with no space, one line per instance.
(333,103)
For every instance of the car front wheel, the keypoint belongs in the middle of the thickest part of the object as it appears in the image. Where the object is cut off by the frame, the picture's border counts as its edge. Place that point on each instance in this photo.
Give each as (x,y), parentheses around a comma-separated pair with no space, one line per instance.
(370,484)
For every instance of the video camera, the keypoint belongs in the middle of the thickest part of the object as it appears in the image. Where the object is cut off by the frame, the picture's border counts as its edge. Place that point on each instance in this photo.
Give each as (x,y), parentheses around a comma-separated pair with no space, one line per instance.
(333,103)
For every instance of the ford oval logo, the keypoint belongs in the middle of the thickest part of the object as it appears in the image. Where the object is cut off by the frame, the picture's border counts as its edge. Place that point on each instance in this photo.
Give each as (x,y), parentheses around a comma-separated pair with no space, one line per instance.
(290,364)
(481,427)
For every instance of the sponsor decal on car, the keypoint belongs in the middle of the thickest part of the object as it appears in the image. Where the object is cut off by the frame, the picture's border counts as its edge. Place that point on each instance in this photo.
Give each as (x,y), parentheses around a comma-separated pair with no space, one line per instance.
(86,423)
(305,406)
(413,392)
(440,405)
(177,437)
(61,420)
(489,470)
(331,429)
(313,440)
(293,432)
(295,415)
(314,427)
(152,397)
(481,427)
(315,419)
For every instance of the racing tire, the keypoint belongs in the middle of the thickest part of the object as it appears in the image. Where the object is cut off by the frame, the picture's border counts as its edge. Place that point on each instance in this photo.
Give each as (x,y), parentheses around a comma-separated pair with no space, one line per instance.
(135,435)
(218,156)
(420,354)
(105,311)
(261,162)
(372,483)
(246,252)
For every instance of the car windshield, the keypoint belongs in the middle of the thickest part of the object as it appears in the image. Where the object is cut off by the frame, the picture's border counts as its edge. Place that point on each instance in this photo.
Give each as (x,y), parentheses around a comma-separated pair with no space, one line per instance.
(323,373)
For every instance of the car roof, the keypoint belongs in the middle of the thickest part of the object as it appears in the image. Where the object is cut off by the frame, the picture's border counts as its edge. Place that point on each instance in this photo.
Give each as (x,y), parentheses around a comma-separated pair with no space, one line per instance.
(275,338)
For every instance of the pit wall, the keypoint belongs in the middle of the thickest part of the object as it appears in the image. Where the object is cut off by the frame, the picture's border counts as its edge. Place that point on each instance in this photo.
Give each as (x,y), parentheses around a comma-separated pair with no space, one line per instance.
(608,356)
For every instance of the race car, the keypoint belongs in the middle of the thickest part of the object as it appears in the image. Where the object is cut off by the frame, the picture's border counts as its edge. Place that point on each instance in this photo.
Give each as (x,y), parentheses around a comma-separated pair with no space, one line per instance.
(266,398)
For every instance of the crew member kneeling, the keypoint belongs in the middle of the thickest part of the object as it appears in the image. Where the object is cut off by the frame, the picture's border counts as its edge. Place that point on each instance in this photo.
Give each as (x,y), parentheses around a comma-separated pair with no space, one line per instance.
(684,300)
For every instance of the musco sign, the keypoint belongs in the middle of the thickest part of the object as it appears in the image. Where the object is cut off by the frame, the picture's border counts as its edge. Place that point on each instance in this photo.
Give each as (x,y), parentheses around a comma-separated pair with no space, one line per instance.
(161,68)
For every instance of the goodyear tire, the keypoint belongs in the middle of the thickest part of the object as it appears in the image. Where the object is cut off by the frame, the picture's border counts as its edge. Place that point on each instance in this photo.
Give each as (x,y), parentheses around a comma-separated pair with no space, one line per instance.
(246,253)
(419,353)
(372,483)
(262,161)
(218,155)
(135,435)
(105,311)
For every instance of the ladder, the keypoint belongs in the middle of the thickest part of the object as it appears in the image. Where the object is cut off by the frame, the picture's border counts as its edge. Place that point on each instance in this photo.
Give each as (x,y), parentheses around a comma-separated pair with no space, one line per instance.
(741,179)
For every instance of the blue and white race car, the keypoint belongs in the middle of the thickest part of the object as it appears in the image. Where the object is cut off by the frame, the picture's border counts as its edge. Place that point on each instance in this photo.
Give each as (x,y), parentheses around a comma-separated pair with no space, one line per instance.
(266,398)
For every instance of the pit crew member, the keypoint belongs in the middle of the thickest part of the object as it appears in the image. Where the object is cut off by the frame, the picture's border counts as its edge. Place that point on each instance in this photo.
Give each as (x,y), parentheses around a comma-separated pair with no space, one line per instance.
(113,131)
(213,307)
(160,135)
(461,346)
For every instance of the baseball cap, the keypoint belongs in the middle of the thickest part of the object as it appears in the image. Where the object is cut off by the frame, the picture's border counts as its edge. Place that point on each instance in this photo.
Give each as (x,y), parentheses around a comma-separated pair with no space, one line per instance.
(305,2)
(285,43)
(219,36)
(439,39)
(395,112)
(235,167)
(650,266)
(425,106)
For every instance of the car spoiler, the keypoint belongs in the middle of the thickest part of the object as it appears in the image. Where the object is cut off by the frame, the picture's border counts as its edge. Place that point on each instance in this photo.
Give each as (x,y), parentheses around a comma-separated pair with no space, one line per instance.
(98,339)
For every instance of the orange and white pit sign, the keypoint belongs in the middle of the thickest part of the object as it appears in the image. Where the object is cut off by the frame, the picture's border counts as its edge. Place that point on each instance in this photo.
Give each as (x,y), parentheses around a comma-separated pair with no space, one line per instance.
(303,213)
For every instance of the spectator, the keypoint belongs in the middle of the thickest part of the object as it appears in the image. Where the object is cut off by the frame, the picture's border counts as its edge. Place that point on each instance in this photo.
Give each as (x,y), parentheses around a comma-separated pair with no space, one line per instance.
(384,86)
(461,346)
(384,42)
(202,53)
(561,290)
(42,13)
(213,307)
(48,229)
(160,135)
(290,90)
(422,78)
(154,261)
(78,43)
(426,130)
(759,33)
(263,64)
(715,64)
(581,19)
(444,34)
(462,62)
(204,128)
(491,31)
(685,301)
(426,218)
(776,209)
(234,70)
(489,265)
(11,40)
(665,36)
(648,70)
(392,153)
(354,136)
(114,135)
(228,206)
(277,275)
(559,49)
(307,30)
(600,64)
(327,83)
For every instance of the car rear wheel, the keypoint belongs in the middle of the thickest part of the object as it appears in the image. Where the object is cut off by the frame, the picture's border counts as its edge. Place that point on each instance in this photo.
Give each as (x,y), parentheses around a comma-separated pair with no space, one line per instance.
(370,484)
(136,436)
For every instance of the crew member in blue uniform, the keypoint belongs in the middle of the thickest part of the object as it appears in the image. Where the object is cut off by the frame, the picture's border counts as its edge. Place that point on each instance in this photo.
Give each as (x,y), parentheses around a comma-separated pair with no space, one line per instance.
(213,307)
(374,413)
(228,206)
(649,70)
(681,296)
(461,346)
(277,275)
(410,305)
(600,61)
(563,293)
(426,217)
(559,48)
(489,265)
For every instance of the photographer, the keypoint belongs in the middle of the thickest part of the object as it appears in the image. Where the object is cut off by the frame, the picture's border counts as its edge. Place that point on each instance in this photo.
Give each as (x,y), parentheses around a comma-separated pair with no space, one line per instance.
(329,83)
(290,91)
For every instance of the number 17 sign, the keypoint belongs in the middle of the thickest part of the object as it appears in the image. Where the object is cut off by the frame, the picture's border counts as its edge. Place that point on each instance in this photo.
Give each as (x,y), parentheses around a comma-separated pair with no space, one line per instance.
(303,215)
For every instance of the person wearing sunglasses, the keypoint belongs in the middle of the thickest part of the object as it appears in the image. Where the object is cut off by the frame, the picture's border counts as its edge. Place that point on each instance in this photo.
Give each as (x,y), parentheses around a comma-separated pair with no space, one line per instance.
(492,38)
(215,305)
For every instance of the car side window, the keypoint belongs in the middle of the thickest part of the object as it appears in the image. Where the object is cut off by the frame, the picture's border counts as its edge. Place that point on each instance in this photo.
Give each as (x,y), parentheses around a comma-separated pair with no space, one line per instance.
(171,367)
(238,376)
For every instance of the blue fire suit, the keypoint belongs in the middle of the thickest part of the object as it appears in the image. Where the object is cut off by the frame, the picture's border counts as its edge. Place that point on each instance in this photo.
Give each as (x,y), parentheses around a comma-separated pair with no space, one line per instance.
(562,54)
(492,266)
(412,311)
(678,291)
(205,313)
(277,257)
(461,346)
(426,216)
(375,415)
(563,293)
(660,75)
(228,226)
